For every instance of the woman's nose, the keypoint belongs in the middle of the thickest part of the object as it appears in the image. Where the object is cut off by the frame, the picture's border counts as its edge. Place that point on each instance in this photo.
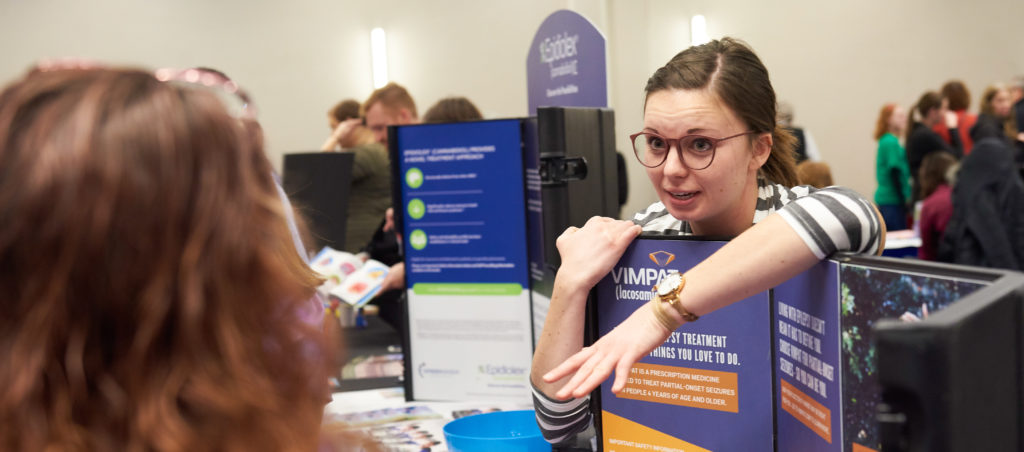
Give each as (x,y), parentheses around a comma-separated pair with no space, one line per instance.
(674,165)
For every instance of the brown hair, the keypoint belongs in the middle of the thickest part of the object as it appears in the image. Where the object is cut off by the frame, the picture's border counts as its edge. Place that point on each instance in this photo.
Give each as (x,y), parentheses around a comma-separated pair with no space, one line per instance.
(958,95)
(730,70)
(928,101)
(932,172)
(152,293)
(1009,122)
(452,109)
(393,97)
(815,174)
(346,109)
(882,126)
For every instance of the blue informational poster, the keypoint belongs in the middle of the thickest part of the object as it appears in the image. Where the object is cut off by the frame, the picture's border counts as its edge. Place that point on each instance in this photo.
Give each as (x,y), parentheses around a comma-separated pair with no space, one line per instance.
(709,386)
(464,225)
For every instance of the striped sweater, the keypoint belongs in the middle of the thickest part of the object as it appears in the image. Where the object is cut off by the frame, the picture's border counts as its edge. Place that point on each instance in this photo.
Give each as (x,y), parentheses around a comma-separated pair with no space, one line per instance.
(828,220)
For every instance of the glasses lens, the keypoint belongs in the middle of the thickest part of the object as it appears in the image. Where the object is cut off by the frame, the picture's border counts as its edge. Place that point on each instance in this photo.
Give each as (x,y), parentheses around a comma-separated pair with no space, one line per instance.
(650,149)
(698,151)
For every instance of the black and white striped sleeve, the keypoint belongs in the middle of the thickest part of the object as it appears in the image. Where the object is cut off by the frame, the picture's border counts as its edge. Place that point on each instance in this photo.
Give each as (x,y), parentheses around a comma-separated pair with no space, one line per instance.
(834,219)
(560,421)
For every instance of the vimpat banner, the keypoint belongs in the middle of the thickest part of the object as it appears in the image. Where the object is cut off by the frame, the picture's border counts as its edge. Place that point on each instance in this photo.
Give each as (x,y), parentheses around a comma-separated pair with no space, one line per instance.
(788,369)
(709,386)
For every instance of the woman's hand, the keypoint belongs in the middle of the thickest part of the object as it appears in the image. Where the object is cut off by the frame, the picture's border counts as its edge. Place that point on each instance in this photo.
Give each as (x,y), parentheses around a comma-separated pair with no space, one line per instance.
(618,350)
(340,134)
(951,119)
(395,278)
(590,252)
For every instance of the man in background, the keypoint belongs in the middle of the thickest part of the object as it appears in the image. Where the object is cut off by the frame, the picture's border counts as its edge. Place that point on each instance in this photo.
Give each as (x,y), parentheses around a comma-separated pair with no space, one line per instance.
(390,105)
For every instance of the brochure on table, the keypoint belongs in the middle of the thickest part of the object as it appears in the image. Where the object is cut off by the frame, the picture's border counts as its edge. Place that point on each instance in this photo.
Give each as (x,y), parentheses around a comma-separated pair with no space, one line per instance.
(787,369)
(463,220)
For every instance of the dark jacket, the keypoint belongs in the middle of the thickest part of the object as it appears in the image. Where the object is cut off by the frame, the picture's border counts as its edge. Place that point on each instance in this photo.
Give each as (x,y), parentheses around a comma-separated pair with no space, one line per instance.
(923,141)
(987,227)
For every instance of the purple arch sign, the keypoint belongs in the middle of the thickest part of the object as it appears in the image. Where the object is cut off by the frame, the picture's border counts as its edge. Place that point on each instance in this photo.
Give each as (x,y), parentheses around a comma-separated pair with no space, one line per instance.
(565,65)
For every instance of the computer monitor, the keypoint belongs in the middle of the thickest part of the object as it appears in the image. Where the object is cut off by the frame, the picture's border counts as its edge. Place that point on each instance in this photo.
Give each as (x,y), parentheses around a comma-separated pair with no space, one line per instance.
(318,185)
(953,381)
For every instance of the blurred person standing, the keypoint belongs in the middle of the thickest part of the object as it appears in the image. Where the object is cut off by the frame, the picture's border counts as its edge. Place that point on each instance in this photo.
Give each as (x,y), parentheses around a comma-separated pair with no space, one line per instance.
(931,108)
(389,105)
(806,148)
(959,98)
(997,120)
(938,171)
(370,193)
(987,225)
(892,172)
(452,109)
(1017,96)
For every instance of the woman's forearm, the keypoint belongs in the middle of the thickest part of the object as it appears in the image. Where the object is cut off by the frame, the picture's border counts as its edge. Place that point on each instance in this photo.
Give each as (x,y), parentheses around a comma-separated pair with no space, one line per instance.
(764,256)
(562,335)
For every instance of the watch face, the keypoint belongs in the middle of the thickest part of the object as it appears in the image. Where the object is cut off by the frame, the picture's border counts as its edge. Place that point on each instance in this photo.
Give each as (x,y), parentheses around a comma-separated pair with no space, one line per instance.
(669,284)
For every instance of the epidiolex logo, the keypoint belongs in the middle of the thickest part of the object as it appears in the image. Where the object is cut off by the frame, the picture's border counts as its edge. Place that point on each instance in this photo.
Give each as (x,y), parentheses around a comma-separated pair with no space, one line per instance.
(501,370)
(559,47)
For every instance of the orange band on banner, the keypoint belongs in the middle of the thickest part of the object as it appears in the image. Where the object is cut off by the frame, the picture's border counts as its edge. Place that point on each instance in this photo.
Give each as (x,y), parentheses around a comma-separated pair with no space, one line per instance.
(624,435)
(806,410)
(859,448)
(697,388)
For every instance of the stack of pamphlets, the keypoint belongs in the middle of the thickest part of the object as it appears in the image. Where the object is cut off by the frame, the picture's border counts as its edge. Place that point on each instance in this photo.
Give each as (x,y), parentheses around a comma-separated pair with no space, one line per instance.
(349,278)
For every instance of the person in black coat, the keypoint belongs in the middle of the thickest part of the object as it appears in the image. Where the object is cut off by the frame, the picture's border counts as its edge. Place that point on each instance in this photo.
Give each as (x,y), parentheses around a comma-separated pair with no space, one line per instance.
(987,226)
(922,140)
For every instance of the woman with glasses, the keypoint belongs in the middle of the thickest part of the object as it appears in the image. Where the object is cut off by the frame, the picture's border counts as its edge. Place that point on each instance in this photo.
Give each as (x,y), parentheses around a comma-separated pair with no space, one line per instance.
(153,295)
(721,167)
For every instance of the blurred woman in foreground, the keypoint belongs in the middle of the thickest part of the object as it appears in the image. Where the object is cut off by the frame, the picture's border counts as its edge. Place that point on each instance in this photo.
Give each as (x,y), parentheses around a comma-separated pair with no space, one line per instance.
(153,294)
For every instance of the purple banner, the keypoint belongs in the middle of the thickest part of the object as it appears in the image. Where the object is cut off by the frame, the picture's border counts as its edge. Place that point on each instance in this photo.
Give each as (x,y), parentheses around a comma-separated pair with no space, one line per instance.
(806,329)
(566,64)
(709,386)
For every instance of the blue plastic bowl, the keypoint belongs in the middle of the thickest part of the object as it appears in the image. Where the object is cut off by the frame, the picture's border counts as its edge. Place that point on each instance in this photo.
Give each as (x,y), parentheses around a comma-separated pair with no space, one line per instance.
(501,431)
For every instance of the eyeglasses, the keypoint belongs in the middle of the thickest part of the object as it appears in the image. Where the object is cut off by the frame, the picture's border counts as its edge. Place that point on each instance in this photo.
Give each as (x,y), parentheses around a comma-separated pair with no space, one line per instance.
(695,151)
(234,98)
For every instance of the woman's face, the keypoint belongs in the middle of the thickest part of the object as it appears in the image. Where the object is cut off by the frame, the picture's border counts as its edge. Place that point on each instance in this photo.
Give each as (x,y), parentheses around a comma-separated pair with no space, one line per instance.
(719,199)
(937,115)
(898,120)
(1001,103)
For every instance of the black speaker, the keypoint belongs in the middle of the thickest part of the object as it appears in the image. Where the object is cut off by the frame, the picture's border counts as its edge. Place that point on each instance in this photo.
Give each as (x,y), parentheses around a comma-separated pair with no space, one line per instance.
(578,170)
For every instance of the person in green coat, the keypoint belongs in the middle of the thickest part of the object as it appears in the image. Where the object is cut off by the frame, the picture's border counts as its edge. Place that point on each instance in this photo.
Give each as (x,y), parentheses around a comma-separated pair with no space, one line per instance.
(891,169)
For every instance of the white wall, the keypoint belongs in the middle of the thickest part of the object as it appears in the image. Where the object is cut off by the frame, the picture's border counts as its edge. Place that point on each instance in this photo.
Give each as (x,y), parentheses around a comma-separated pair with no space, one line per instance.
(836,62)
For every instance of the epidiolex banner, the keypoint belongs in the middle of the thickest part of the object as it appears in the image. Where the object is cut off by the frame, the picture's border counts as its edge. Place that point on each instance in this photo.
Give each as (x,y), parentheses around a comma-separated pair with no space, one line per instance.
(566,64)
(462,195)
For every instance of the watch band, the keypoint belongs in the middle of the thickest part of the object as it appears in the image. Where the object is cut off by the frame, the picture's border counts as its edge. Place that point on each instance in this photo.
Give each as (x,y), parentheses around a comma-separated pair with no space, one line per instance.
(664,319)
(686,315)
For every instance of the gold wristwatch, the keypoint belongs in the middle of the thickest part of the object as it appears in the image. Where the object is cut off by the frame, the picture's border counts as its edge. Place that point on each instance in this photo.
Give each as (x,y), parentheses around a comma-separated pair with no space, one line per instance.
(668,290)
